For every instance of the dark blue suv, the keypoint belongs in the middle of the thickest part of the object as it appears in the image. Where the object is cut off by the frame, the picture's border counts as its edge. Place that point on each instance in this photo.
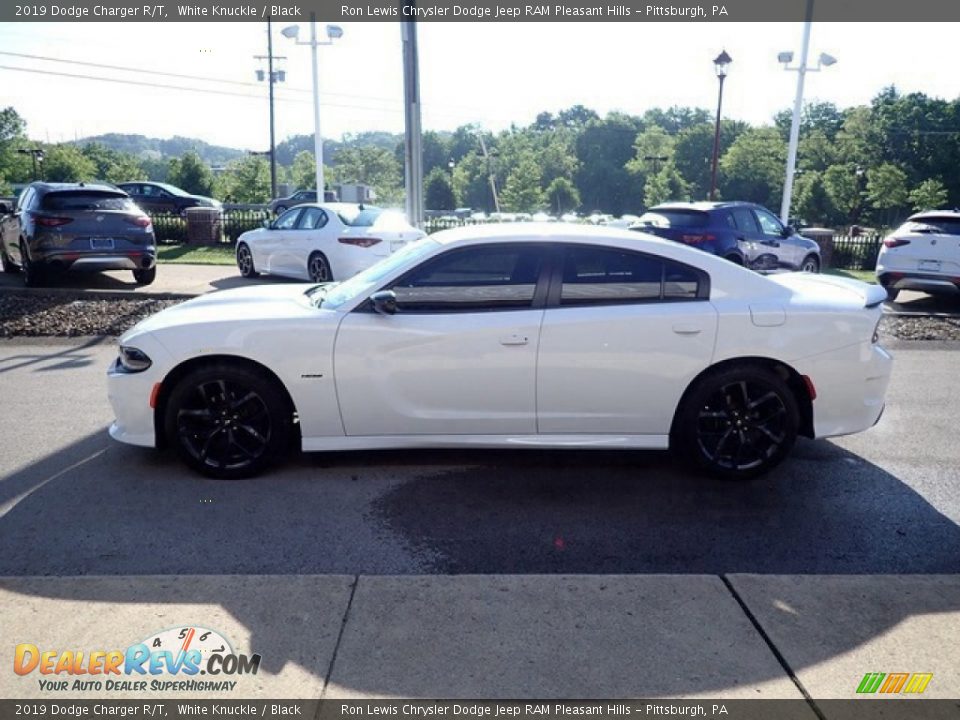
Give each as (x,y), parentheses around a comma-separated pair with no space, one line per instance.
(741,232)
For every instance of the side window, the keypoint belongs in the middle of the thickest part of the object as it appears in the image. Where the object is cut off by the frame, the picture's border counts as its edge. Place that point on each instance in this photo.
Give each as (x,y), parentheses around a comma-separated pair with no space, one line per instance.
(492,277)
(745,220)
(599,275)
(148,190)
(769,225)
(312,219)
(726,219)
(288,220)
(25,197)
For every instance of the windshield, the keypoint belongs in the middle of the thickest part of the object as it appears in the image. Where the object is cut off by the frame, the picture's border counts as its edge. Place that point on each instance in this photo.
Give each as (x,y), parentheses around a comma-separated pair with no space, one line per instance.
(355,217)
(367,280)
(172,189)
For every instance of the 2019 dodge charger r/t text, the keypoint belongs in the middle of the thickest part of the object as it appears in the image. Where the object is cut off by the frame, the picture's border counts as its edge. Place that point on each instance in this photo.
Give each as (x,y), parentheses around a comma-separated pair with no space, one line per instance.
(71,226)
(543,336)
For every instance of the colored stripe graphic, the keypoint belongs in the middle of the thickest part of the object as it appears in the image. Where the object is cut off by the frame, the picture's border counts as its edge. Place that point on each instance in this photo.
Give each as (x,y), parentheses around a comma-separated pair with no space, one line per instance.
(870,682)
(918,682)
(894,682)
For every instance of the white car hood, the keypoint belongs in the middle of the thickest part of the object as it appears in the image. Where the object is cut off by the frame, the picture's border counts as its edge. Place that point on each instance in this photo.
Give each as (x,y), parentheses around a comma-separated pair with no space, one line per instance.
(253,304)
(831,290)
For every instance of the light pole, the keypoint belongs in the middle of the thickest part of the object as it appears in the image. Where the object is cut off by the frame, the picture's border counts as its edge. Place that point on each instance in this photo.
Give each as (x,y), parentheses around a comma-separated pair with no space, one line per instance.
(720,63)
(36,154)
(333,32)
(786,58)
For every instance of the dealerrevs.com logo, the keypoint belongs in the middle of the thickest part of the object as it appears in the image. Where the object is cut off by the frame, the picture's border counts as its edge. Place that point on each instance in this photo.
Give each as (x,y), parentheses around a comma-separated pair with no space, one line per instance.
(171,660)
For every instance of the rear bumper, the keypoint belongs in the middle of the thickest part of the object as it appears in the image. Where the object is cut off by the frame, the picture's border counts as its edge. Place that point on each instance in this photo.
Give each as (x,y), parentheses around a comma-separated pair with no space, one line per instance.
(933,284)
(73,261)
(851,386)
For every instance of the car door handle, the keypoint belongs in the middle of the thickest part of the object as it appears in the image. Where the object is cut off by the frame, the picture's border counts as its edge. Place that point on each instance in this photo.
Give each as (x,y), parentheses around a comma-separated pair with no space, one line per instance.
(687,329)
(514,339)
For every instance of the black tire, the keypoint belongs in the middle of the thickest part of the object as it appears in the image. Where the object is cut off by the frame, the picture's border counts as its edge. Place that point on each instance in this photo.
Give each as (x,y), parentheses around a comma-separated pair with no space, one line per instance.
(8,265)
(245,261)
(318,268)
(892,294)
(145,276)
(33,273)
(735,259)
(228,421)
(737,423)
(810,264)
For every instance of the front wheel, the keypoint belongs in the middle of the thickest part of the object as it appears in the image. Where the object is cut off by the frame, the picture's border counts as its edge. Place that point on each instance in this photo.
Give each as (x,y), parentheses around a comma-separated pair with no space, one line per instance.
(738,423)
(245,261)
(319,269)
(227,421)
(810,264)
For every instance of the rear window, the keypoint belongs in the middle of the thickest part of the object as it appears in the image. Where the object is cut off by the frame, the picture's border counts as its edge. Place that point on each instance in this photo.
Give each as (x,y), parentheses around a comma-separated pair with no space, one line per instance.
(946,225)
(674,218)
(360,218)
(86,200)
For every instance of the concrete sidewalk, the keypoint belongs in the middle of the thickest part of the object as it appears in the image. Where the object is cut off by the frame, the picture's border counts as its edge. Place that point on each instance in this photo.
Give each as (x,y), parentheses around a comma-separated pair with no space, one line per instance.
(512,636)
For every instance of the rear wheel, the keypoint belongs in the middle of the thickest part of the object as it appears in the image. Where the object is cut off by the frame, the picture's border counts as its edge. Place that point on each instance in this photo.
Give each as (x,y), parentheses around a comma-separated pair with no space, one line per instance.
(8,266)
(245,261)
(318,268)
(228,421)
(738,423)
(810,264)
(33,273)
(892,293)
(145,276)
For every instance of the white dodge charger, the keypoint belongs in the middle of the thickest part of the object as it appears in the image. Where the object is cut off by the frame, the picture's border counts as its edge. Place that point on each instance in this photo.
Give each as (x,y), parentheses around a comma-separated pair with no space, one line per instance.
(542,336)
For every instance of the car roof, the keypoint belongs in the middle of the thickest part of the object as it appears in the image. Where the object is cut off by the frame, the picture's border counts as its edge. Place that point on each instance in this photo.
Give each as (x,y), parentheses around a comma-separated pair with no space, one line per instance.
(954,214)
(47,187)
(703,206)
(558,232)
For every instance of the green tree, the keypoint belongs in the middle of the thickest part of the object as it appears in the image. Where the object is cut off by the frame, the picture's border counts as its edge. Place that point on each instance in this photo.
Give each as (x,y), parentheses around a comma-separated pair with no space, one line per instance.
(811,203)
(604,147)
(471,183)
(753,167)
(664,186)
(521,192)
(372,166)
(438,191)
(66,163)
(246,180)
(14,166)
(652,148)
(887,191)
(562,195)
(303,173)
(693,153)
(192,174)
(928,195)
(842,186)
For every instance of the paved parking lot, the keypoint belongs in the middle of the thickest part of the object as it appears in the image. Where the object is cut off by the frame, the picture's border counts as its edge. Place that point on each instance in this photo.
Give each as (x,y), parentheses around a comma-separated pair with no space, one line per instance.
(76,503)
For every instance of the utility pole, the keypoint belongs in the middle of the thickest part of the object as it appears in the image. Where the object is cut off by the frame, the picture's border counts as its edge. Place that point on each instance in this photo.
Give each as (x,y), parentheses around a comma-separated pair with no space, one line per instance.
(413,140)
(272,78)
(492,176)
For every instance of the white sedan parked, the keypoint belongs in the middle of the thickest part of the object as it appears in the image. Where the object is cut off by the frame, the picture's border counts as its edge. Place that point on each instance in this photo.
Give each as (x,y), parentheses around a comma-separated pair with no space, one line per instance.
(545,336)
(320,243)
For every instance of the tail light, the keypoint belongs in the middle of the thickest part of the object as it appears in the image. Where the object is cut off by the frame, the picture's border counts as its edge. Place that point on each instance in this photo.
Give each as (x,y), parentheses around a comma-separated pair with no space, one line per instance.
(892,242)
(697,239)
(138,220)
(363,242)
(49,221)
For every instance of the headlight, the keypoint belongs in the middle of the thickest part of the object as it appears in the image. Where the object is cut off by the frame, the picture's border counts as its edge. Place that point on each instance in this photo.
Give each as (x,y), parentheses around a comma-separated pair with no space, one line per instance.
(133,360)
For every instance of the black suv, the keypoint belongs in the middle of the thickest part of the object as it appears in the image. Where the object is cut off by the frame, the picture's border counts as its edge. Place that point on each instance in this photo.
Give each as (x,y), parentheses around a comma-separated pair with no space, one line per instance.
(744,233)
(157,197)
(69,226)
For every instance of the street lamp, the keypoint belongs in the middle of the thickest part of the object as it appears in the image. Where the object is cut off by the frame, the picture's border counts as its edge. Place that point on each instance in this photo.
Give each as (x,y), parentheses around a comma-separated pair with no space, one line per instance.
(334,32)
(720,63)
(785,58)
(36,155)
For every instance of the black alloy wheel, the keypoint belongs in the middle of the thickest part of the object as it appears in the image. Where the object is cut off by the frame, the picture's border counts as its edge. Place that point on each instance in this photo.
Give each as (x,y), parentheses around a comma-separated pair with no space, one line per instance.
(227,421)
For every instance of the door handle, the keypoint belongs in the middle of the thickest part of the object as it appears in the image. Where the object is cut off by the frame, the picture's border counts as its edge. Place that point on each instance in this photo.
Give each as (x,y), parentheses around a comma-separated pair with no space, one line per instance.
(514,339)
(687,329)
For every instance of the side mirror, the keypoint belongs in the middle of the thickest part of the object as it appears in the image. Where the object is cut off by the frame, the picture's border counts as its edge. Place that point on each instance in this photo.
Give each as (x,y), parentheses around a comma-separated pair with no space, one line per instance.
(789,230)
(268,223)
(384,302)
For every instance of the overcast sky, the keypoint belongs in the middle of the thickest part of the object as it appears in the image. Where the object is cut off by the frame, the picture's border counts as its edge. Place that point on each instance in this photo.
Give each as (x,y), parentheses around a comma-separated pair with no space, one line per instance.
(493,74)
